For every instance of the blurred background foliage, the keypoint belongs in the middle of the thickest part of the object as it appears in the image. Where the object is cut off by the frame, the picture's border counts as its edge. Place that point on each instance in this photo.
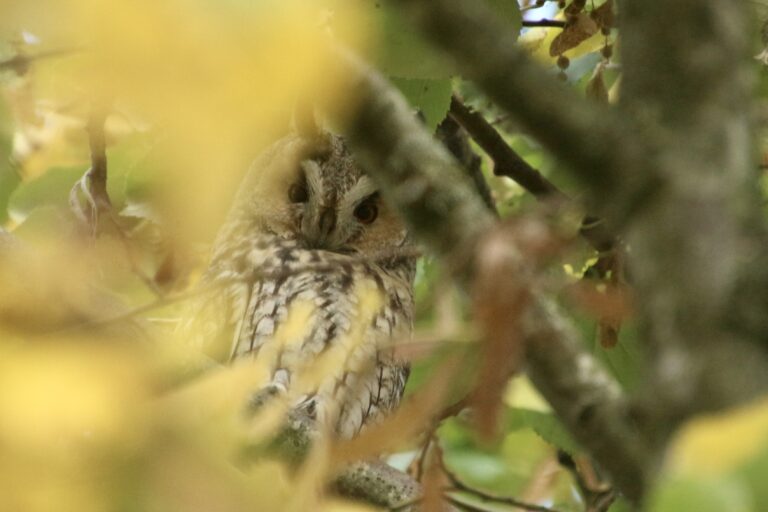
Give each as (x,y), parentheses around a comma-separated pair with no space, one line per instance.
(96,412)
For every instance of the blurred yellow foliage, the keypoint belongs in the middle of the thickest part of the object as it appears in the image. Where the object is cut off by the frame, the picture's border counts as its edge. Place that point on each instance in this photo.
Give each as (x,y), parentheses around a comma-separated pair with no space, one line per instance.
(717,444)
(217,80)
(538,40)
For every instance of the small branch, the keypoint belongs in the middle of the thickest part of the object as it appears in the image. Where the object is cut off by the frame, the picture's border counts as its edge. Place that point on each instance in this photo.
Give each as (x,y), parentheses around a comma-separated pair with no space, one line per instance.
(450,133)
(20,63)
(93,185)
(380,484)
(443,210)
(597,496)
(372,481)
(544,23)
(600,146)
(459,485)
(508,163)
(97,174)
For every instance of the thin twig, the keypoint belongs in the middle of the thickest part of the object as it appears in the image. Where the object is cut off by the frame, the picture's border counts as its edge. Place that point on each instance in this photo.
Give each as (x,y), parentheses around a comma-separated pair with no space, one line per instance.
(458,485)
(135,312)
(259,274)
(20,63)
(597,498)
(511,165)
(544,23)
(506,500)
(456,140)
(506,161)
(97,174)
(92,188)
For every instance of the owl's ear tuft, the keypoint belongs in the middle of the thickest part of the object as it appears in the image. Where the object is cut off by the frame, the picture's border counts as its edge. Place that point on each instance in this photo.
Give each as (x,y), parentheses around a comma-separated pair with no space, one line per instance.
(306,126)
(304,121)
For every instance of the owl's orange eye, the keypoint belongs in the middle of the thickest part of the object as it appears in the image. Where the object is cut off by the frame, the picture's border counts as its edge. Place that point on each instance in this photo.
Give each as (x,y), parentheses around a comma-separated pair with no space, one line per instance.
(298,193)
(367,211)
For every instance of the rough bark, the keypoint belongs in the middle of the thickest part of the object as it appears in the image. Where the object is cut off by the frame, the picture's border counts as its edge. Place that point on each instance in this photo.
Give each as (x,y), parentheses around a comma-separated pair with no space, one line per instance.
(443,210)
(693,241)
(672,167)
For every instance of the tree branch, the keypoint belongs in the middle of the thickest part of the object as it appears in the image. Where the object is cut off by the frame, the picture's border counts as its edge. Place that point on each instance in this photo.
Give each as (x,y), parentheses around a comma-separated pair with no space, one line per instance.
(442,209)
(508,163)
(674,169)
(544,23)
(600,146)
(20,63)
(695,247)
(451,134)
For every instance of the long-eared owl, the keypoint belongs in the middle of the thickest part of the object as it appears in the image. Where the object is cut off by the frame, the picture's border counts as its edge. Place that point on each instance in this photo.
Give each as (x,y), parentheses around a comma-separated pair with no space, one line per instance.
(309,242)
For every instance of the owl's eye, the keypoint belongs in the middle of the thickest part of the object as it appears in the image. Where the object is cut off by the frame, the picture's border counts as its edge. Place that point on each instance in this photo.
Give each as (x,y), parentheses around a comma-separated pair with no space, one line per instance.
(298,193)
(367,211)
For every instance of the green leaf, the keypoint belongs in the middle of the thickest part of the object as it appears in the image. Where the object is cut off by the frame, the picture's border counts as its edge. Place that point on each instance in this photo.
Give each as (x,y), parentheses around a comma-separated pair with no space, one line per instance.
(44,223)
(701,495)
(625,360)
(399,47)
(545,424)
(403,51)
(621,505)
(476,502)
(509,10)
(430,97)
(50,189)
(9,178)
(753,474)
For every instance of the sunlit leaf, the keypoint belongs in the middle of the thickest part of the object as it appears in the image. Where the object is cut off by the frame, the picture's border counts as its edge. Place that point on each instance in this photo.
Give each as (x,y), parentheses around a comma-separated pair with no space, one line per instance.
(581,29)
(702,495)
(715,444)
(429,97)
(544,424)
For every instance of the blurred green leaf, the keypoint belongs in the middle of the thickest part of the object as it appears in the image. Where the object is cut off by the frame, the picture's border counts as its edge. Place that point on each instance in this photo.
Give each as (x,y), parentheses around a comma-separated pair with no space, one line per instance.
(754,473)
(403,51)
(9,178)
(479,503)
(44,223)
(50,189)
(545,424)
(625,360)
(430,97)
(701,495)
(509,10)
(621,505)
(582,67)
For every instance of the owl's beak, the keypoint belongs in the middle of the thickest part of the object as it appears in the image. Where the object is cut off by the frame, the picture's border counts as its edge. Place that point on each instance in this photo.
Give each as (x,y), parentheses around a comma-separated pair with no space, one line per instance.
(327,221)
(319,233)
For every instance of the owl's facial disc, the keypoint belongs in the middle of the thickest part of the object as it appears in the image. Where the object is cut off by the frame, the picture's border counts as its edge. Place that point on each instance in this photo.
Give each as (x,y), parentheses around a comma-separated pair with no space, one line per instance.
(331,217)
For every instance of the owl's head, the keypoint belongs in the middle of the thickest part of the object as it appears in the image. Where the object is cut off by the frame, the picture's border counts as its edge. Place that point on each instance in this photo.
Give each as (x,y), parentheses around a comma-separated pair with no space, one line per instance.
(310,189)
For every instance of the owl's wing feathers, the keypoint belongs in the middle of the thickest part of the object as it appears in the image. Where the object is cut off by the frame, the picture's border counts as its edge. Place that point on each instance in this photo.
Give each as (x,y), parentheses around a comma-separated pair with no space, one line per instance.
(368,382)
(215,317)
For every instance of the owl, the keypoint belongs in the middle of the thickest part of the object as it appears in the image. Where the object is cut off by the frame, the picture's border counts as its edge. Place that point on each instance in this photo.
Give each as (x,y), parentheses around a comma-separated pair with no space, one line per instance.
(314,274)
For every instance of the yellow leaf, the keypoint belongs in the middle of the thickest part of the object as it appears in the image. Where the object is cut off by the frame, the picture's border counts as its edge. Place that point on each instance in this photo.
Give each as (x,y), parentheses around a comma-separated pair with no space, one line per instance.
(573,34)
(719,443)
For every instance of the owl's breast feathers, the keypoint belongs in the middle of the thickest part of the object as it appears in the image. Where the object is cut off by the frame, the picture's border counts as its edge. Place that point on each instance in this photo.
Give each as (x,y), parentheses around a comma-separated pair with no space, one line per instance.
(325,323)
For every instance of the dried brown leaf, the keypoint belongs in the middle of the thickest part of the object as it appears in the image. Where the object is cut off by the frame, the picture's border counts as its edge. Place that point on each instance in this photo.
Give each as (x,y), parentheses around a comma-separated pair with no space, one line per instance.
(435,480)
(603,15)
(611,301)
(608,331)
(596,88)
(579,30)
(575,7)
(501,296)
